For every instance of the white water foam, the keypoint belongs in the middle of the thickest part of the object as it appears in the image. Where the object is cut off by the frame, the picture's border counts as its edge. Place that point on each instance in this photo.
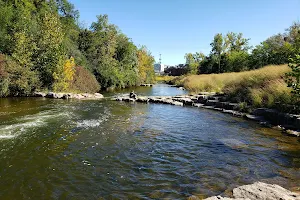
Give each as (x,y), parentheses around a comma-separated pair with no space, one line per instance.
(6,136)
(89,123)
(27,122)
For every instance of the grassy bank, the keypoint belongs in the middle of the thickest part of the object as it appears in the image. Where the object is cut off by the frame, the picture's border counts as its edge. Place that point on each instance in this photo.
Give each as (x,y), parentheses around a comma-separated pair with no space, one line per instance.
(263,87)
(164,79)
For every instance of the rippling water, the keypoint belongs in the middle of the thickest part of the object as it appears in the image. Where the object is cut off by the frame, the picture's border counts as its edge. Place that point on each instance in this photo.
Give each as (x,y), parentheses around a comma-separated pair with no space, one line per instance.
(58,149)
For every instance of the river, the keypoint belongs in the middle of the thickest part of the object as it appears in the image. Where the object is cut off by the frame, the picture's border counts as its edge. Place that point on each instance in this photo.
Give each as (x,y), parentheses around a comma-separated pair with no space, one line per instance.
(60,149)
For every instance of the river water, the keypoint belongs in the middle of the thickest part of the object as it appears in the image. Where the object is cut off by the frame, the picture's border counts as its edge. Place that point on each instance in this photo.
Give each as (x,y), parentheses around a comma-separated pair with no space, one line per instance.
(59,149)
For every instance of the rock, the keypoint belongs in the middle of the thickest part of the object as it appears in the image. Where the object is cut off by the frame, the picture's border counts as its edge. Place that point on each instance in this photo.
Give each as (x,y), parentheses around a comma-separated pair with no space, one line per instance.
(181,88)
(221,104)
(50,95)
(186,100)
(198,105)
(147,85)
(202,99)
(193,197)
(142,99)
(98,95)
(177,103)
(39,94)
(67,96)
(260,191)
(292,133)
(211,102)
(231,106)
(254,117)
(222,198)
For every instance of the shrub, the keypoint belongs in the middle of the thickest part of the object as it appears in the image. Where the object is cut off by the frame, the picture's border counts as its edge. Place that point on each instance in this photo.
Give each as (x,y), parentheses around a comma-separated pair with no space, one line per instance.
(293,77)
(15,79)
(84,81)
(4,79)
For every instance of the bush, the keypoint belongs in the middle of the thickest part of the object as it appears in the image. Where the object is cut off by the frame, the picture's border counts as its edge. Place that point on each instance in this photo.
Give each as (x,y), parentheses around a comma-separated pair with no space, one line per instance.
(84,81)
(4,79)
(15,79)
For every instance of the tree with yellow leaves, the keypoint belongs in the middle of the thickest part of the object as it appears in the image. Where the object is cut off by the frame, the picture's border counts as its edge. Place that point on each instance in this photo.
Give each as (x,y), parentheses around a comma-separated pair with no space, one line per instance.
(64,76)
(145,66)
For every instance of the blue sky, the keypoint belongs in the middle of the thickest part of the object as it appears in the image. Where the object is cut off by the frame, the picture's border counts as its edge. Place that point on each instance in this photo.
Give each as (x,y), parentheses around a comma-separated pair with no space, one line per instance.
(176,27)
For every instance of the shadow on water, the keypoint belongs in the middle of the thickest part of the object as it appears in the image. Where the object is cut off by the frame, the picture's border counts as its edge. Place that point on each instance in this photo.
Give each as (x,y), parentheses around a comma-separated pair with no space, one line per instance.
(114,150)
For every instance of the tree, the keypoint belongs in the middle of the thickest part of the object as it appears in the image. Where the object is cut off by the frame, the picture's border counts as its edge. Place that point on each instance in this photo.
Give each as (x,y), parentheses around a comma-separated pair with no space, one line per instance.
(145,65)
(218,47)
(50,54)
(293,77)
(237,61)
(192,64)
(64,75)
(236,42)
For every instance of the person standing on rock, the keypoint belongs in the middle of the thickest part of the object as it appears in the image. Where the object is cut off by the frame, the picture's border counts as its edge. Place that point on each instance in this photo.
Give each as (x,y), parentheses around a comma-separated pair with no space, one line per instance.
(132,95)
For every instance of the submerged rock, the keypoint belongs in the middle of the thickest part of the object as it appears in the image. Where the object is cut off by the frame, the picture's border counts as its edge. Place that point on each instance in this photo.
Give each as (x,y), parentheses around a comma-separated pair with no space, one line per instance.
(260,191)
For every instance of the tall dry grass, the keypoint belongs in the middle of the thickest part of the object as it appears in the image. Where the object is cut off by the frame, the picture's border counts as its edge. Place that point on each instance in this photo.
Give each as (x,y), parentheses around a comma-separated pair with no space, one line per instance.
(261,87)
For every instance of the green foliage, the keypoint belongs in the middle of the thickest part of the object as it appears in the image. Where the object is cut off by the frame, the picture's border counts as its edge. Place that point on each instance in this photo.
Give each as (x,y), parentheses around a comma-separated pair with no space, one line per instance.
(50,53)
(40,36)
(293,77)
(16,79)
(193,61)
(237,61)
(231,53)
(4,79)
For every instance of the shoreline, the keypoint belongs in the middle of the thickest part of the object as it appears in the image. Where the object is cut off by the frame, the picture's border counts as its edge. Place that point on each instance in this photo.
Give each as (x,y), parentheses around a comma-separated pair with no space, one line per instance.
(60,95)
(289,124)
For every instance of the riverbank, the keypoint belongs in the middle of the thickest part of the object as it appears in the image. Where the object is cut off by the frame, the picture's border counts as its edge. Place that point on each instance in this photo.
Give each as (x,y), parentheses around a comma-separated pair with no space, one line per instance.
(261,88)
(60,95)
(288,123)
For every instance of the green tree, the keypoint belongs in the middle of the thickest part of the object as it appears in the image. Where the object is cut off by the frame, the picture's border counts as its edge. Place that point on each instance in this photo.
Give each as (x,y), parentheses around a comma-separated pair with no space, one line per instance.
(218,47)
(50,54)
(293,78)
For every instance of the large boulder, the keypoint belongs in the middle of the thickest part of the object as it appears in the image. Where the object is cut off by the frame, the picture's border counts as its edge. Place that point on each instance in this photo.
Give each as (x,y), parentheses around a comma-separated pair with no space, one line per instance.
(260,191)
(39,94)
(98,96)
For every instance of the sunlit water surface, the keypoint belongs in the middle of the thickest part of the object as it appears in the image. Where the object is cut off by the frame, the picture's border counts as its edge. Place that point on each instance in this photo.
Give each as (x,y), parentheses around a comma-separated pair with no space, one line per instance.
(59,149)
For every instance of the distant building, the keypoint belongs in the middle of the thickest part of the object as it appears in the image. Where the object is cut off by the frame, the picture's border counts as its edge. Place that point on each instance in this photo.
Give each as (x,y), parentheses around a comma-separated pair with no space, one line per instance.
(158,67)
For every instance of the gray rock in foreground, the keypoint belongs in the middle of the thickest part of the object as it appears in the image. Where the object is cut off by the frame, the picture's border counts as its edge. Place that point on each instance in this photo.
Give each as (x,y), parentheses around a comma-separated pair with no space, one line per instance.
(260,191)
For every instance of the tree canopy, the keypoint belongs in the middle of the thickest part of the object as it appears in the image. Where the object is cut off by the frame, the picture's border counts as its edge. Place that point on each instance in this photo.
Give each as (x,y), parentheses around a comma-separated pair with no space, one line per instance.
(231,52)
(43,47)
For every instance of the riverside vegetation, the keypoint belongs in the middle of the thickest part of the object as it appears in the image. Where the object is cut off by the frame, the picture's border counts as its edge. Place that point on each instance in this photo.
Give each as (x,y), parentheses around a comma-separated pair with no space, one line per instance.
(44,47)
(258,78)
